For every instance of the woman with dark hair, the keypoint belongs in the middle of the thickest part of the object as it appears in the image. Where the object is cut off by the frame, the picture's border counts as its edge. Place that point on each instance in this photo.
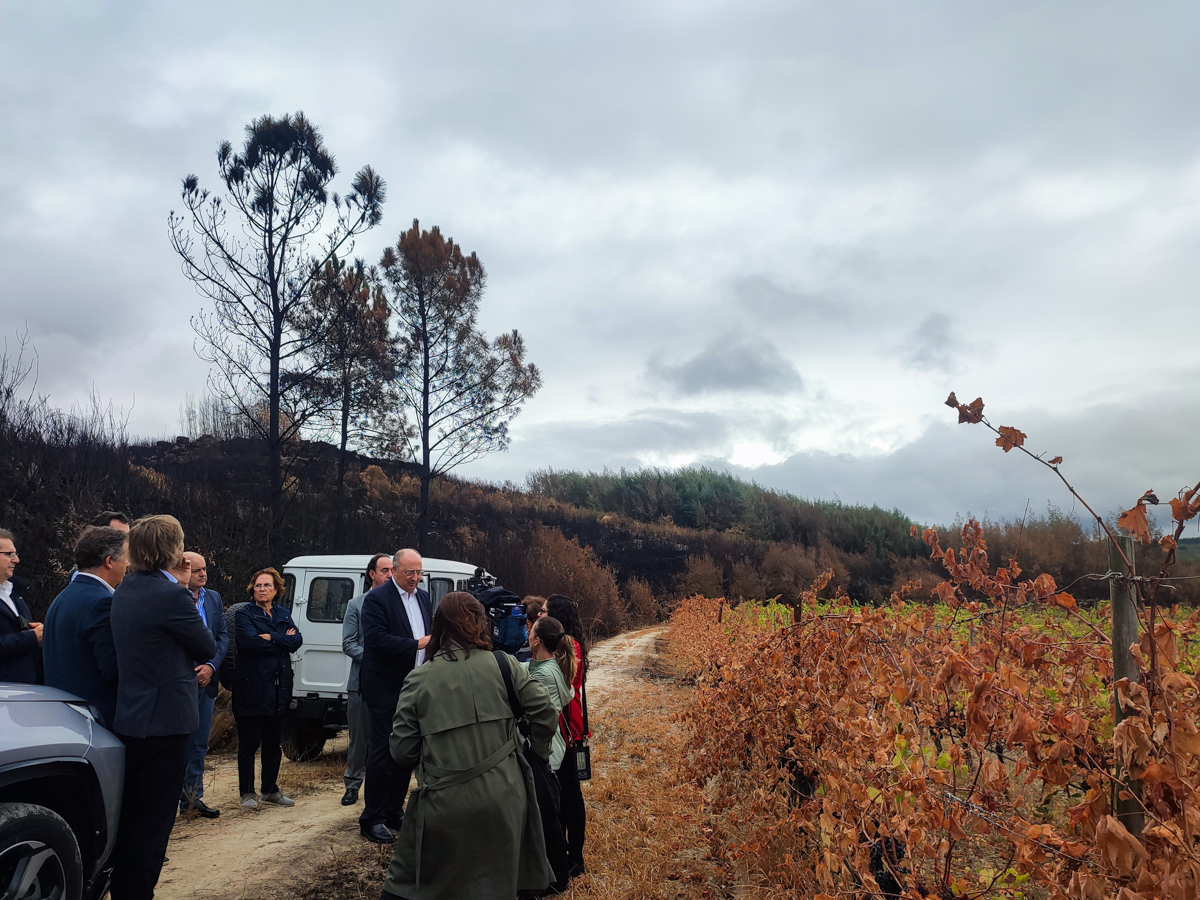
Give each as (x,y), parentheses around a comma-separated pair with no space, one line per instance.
(262,685)
(472,827)
(553,663)
(573,813)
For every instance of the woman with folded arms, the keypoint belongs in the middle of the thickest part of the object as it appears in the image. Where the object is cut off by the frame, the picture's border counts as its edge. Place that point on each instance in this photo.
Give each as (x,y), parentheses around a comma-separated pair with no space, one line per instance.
(262,685)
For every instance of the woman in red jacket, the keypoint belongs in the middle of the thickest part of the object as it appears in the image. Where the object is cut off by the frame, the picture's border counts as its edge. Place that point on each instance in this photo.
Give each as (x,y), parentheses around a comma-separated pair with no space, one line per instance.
(573,813)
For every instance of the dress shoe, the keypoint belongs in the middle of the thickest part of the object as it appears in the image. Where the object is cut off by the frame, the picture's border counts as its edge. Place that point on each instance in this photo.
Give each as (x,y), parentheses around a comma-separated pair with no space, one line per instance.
(202,809)
(350,797)
(576,870)
(377,834)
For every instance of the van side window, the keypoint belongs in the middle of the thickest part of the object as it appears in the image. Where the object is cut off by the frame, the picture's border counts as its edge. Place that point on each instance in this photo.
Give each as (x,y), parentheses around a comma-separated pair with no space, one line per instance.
(439,588)
(327,599)
(289,591)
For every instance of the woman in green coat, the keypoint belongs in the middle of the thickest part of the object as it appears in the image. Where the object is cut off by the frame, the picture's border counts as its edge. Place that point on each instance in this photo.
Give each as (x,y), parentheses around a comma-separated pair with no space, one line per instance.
(471,828)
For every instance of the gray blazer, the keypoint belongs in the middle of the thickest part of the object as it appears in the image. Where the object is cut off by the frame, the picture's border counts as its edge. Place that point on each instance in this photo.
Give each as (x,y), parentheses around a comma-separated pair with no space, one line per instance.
(157,636)
(352,639)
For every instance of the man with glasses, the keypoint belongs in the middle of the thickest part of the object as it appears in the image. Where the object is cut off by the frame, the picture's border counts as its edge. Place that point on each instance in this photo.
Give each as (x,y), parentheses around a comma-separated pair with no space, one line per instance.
(20,639)
(395,617)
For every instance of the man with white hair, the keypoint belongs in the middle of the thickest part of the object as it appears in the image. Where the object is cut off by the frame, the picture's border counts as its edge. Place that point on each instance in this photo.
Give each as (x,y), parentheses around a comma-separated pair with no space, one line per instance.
(396,618)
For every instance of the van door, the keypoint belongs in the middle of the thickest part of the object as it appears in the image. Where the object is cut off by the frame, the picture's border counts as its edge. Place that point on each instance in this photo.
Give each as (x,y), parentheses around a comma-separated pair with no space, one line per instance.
(324,667)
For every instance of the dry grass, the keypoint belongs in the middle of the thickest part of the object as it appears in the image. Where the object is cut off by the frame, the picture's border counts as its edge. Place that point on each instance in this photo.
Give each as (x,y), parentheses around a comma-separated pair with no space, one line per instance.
(647,837)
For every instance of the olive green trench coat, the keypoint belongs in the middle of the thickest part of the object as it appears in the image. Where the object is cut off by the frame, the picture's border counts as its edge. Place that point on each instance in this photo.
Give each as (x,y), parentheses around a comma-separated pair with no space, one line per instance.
(471,828)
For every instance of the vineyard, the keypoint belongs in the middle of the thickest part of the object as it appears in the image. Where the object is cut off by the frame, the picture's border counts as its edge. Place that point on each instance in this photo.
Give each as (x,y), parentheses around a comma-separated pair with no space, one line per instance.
(981,746)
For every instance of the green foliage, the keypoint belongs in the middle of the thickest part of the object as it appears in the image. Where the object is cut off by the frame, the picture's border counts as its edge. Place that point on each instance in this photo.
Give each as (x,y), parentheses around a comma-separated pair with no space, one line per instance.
(706,499)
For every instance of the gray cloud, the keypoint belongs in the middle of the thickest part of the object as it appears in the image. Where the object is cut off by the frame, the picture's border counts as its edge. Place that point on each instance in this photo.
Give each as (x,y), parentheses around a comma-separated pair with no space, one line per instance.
(730,366)
(931,344)
(646,179)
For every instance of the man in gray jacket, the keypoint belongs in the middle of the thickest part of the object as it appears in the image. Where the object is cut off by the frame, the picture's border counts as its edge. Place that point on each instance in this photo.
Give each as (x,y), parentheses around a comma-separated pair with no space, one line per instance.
(379,570)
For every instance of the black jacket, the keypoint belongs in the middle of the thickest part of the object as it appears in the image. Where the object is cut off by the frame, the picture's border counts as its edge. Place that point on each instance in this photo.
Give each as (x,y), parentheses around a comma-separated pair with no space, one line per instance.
(78,645)
(20,653)
(389,648)
(262,680)
(157,635)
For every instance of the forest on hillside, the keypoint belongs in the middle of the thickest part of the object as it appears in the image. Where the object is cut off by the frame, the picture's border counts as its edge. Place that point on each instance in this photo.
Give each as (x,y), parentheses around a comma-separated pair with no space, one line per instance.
(626,544)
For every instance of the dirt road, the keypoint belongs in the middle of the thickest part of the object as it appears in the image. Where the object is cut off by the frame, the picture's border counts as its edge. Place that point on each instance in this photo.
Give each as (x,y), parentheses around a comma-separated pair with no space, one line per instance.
(268,852)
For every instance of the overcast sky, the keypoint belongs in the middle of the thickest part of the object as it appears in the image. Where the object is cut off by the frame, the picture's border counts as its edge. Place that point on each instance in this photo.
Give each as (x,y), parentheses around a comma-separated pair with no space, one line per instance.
(764,236)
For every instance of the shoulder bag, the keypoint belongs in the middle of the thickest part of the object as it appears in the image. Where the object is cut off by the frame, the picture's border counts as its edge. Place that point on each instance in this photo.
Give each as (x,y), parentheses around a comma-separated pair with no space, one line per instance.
(545,782)
(579,746)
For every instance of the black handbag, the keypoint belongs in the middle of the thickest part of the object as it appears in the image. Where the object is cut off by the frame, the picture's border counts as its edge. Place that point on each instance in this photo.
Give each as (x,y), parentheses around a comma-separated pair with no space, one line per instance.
(545,785)
(579,747)
(549,794)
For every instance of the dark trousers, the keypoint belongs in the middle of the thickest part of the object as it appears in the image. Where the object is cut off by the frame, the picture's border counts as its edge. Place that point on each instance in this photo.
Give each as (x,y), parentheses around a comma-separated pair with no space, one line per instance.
(253,731)
(572,812)
(193,781)
(387,781)
(154,769)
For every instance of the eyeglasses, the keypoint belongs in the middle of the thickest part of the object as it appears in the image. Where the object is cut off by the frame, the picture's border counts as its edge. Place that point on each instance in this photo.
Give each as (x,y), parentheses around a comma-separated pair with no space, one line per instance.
(11,554)
(413,573)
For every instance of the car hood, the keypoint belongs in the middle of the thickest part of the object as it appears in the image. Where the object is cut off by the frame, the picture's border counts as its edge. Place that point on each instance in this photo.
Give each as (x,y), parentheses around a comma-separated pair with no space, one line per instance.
(33,693)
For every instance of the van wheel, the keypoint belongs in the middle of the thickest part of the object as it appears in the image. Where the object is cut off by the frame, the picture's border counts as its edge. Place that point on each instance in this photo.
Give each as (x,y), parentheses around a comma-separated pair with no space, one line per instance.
(39,856)
(302,742)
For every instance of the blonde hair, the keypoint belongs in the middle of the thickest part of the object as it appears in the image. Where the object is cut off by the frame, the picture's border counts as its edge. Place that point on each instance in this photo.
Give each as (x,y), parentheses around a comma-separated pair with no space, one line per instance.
(550,632)
(155,542)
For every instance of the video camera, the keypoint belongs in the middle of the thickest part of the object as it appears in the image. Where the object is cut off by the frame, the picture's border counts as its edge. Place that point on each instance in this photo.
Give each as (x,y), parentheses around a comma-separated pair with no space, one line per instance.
(504,610)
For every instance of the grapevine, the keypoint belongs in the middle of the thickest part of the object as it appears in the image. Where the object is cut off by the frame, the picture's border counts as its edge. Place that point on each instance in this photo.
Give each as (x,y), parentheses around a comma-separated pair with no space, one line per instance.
(967,748)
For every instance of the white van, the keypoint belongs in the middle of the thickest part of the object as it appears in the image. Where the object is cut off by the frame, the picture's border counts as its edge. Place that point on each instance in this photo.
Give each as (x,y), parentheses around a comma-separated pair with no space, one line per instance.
(317,590)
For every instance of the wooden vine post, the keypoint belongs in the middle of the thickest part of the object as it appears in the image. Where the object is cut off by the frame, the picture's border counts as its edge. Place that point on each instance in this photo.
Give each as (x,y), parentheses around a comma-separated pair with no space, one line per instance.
(1123,594)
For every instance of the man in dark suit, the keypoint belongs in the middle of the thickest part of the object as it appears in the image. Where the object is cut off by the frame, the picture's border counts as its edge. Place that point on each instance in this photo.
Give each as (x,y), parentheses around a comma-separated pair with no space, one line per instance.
(20,639)
(396,618)
(212,613)
(158,637)
(78,646)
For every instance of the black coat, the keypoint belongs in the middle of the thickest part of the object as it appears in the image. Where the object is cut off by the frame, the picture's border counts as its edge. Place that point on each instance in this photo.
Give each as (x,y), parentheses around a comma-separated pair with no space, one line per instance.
(389,648)
(262,679)
(20,652)
(157,635)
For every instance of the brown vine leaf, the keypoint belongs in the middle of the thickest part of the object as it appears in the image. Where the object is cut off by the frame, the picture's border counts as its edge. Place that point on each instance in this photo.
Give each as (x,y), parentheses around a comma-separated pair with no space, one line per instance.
(1086,886)
(1120,851)
(972,413)
(1164,637)
(955,670)
(1066,601)
(1044,586)
(1174,682)
(1133,696)
(1131,740)
(1167,542)
(1134,521)
(1056,461)
(1024,731)
(1185,507)
(1185,738)
(1010,437)
(982,708)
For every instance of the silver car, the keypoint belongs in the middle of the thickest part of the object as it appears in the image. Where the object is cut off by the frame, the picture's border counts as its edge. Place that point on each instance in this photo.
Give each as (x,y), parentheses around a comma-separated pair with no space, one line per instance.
(61,777)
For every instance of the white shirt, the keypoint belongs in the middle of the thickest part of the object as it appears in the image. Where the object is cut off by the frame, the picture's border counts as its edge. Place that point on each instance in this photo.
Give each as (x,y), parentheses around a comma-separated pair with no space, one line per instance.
(416,621)
(107,586)
(6,596)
